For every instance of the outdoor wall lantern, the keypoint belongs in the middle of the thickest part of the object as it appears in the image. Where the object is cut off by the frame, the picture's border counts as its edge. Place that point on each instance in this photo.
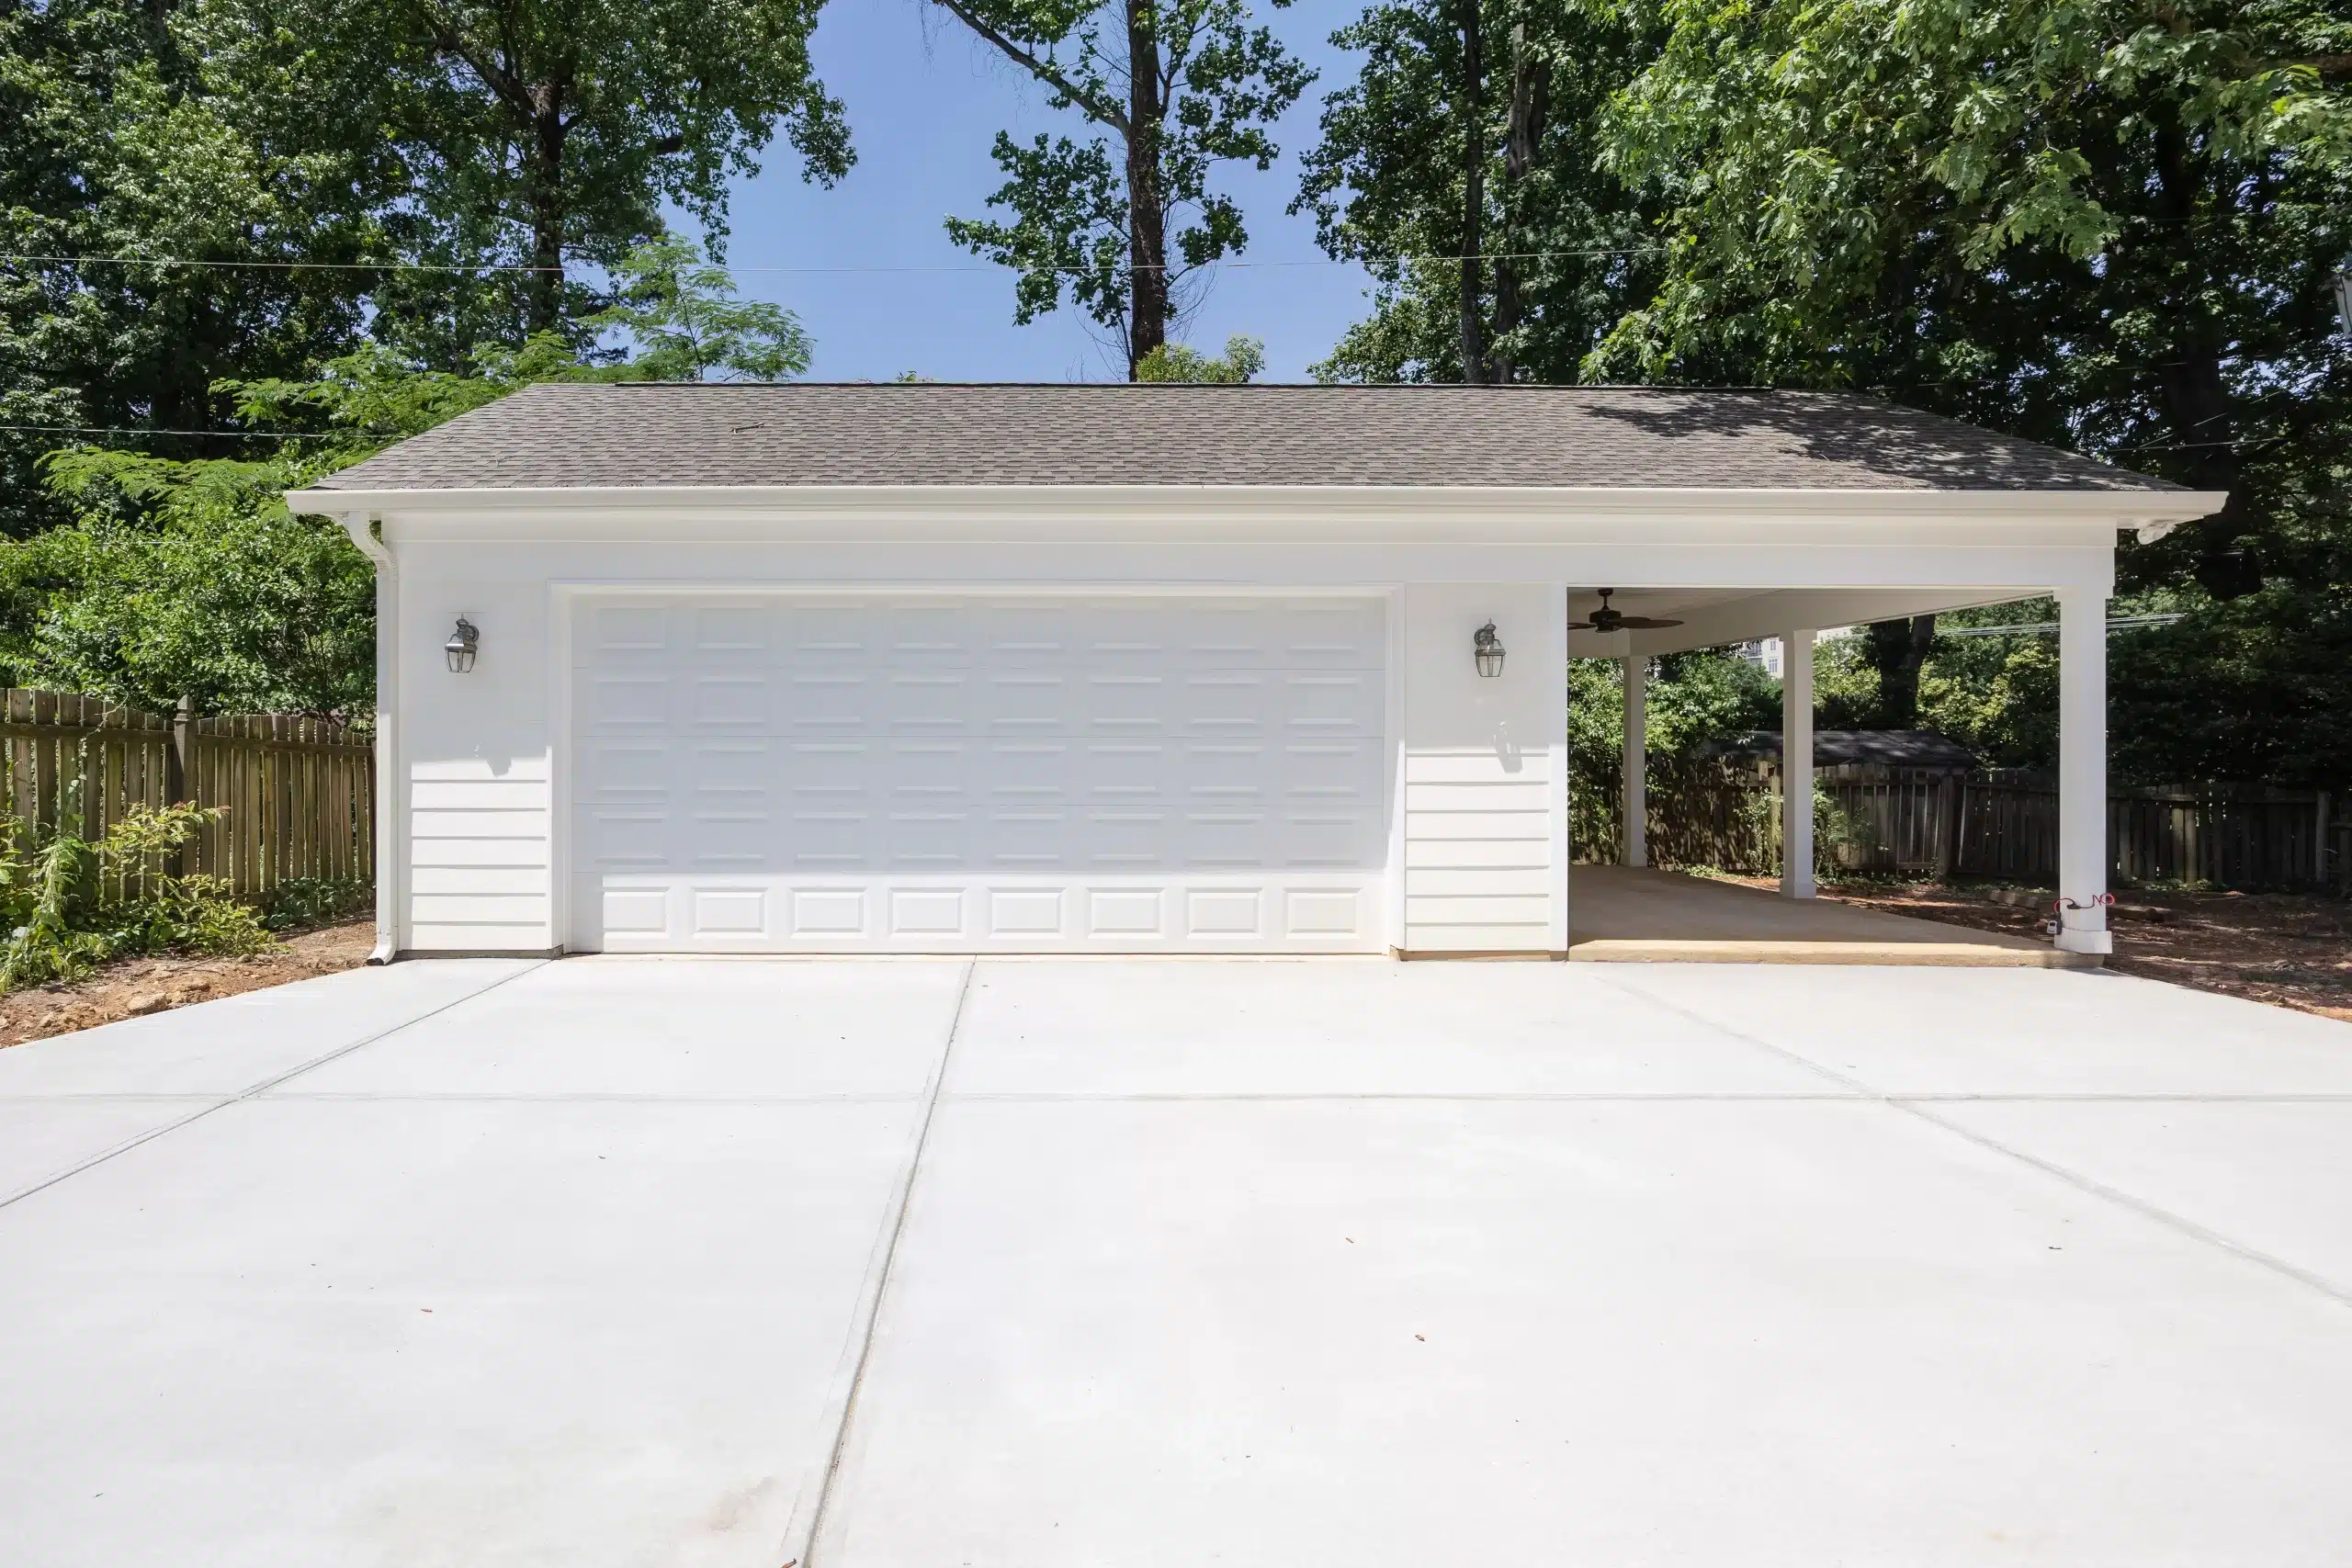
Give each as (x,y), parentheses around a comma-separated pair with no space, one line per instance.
(463,644)
(1487,648)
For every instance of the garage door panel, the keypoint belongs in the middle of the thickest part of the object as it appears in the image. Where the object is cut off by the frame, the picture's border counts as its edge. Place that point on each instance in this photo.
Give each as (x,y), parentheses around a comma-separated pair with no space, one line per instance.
(732,633)
(1328,839)
(625,634)
(926,702)
(1227,703)
(827,702)
(1332,702)
(1340,771)
(833,841)
(1019,773)
(1337,634)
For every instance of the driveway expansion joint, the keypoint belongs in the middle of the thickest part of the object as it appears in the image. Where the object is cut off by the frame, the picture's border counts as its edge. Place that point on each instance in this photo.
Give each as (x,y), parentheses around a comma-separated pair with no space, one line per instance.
(1915,1106)
(256,1091)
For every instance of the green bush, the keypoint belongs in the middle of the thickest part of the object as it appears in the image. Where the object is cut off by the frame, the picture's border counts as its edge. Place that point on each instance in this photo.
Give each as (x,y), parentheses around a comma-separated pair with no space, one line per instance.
(303,902)
(71,904)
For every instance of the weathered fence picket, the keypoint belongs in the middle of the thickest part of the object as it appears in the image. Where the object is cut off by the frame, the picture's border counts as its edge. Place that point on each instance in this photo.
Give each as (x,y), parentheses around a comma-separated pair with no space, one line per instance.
(299,791)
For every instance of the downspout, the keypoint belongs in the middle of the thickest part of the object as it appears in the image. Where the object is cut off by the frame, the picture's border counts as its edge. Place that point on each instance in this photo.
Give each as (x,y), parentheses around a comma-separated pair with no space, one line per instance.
(361,526)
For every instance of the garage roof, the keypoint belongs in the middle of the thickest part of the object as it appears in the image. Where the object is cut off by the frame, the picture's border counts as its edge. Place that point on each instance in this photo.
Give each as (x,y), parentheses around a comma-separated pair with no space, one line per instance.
(629,436)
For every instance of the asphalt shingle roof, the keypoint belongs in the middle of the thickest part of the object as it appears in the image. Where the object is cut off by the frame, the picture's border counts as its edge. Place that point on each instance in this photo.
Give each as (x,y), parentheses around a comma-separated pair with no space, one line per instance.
(562,437)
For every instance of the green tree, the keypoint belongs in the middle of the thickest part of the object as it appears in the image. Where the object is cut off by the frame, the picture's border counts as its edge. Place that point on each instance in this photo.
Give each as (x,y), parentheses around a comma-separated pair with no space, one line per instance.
(684,322)
(1243,357)
(135,139)
(542,134)
(1462,168)
(190,578)
(1124,220)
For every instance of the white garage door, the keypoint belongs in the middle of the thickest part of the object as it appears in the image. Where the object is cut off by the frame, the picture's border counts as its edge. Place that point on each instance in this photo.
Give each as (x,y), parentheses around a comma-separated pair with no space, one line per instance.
(1127,774)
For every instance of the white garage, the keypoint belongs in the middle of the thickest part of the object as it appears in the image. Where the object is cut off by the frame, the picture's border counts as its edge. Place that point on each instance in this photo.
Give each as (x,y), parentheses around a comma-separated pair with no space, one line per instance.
(1150,771)
(1125,669)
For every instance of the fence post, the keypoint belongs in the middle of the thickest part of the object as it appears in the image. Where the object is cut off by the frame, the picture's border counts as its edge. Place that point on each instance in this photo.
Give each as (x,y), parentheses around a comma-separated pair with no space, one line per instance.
(175,759)
(2319,837)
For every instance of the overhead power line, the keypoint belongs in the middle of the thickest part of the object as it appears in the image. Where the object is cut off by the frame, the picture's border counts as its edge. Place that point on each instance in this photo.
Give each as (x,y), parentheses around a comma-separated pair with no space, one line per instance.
(458,268)
(159,429)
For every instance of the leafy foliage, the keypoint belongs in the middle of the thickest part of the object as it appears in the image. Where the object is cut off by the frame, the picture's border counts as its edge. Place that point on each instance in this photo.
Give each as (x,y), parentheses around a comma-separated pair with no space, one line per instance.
(176,578)
(2096,223)
(70,905)
(1548,251)
(1177,86)
(1243,357)
(481,149)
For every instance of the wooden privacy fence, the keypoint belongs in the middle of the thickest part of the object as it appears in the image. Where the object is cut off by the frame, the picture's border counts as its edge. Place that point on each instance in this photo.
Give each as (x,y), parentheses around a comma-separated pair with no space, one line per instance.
(298,793)
(1933,822)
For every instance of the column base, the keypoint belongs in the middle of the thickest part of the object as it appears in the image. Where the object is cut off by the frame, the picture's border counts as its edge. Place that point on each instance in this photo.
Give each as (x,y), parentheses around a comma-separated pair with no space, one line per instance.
(2084,941)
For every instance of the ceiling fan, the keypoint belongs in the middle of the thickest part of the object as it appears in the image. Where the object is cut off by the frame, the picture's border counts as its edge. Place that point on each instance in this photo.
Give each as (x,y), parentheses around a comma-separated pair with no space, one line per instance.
(1606,620)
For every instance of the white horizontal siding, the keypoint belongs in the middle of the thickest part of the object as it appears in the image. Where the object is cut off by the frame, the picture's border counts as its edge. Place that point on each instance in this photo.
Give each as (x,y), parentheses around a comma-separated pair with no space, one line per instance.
(479,909)
(1513,853)
(1511,793)
(531,825)
(475,936)
(1534,882)
(476,794)
(1497,909)
(1475,768)
(525,854)
(511,881)
(1517,827)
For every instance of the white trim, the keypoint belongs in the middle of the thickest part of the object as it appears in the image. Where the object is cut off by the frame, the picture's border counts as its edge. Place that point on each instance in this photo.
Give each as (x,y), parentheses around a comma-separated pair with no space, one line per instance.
(390,768)
(1392,913)
(1251,512)
(1555,744)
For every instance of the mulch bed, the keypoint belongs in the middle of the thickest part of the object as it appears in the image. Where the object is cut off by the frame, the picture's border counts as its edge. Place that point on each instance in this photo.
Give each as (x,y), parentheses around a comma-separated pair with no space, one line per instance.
(2287,949)
(140,986)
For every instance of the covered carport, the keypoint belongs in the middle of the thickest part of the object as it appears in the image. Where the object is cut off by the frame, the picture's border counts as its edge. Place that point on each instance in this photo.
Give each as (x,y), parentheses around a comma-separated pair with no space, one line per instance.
(1634,913)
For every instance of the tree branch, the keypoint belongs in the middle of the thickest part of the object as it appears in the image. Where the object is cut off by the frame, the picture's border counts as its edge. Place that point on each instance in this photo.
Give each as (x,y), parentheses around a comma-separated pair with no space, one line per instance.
(1045,70)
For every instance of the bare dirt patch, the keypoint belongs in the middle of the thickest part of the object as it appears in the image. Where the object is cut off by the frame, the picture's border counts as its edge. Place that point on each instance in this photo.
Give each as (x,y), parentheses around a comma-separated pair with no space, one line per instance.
(2287,949)
(139,986)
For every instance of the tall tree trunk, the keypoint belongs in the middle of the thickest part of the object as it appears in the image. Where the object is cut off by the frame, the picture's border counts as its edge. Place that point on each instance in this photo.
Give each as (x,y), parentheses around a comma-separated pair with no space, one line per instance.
(1525,127)
(1147,210)
(1897,649)
(2195,392)
(548,208)
(1470,267)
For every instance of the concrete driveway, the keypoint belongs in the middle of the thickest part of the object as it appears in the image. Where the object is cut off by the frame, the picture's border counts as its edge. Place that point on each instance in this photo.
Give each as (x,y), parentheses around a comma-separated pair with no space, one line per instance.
(1267,1263)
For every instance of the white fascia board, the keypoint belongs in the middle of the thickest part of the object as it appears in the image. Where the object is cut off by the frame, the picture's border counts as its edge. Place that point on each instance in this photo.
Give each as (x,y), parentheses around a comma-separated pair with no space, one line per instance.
(1259,512)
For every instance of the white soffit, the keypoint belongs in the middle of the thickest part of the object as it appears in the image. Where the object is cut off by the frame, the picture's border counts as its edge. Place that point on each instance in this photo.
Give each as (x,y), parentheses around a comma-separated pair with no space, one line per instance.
(1268,514)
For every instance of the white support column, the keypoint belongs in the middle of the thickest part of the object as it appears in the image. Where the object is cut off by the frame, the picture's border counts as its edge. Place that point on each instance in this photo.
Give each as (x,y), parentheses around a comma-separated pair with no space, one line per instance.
(1637,760)
(2082,772)
(1796,764)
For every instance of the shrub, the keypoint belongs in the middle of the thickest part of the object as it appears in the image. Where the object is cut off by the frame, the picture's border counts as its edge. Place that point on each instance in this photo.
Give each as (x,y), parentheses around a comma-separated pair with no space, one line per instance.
(71,904)
(301,902)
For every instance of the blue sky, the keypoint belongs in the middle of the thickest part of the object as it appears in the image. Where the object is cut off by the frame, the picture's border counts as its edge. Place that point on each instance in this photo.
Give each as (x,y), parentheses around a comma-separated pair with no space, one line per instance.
(925,101)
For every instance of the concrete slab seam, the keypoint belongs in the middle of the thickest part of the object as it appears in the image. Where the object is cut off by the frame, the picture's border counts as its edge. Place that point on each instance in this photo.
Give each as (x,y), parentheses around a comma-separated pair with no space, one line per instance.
(1915,1106)
(840,1409)
(149,1136)
(1629,1096)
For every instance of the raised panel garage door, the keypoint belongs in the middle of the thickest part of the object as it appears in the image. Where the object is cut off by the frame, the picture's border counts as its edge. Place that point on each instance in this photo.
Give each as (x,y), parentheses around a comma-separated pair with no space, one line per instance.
(1121,774)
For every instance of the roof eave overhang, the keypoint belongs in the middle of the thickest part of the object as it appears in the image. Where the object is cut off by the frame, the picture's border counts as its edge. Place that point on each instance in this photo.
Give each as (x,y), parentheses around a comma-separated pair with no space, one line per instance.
(1445,509)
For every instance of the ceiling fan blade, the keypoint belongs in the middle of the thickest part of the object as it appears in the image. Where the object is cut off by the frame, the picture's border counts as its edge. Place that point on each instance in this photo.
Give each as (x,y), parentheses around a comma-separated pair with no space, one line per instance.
(1645,623)
(1582,626)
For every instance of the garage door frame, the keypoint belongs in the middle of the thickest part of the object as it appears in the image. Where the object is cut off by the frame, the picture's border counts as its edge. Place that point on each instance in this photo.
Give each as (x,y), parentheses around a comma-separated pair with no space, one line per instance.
(567,599)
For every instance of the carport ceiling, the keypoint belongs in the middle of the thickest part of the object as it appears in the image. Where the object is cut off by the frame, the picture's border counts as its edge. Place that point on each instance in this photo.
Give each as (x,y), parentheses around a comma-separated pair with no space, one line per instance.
(1712,617)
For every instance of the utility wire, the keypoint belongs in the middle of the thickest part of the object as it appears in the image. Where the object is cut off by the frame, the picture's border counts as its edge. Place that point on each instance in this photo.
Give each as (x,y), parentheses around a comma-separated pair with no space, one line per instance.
(986,266)
(157,430)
